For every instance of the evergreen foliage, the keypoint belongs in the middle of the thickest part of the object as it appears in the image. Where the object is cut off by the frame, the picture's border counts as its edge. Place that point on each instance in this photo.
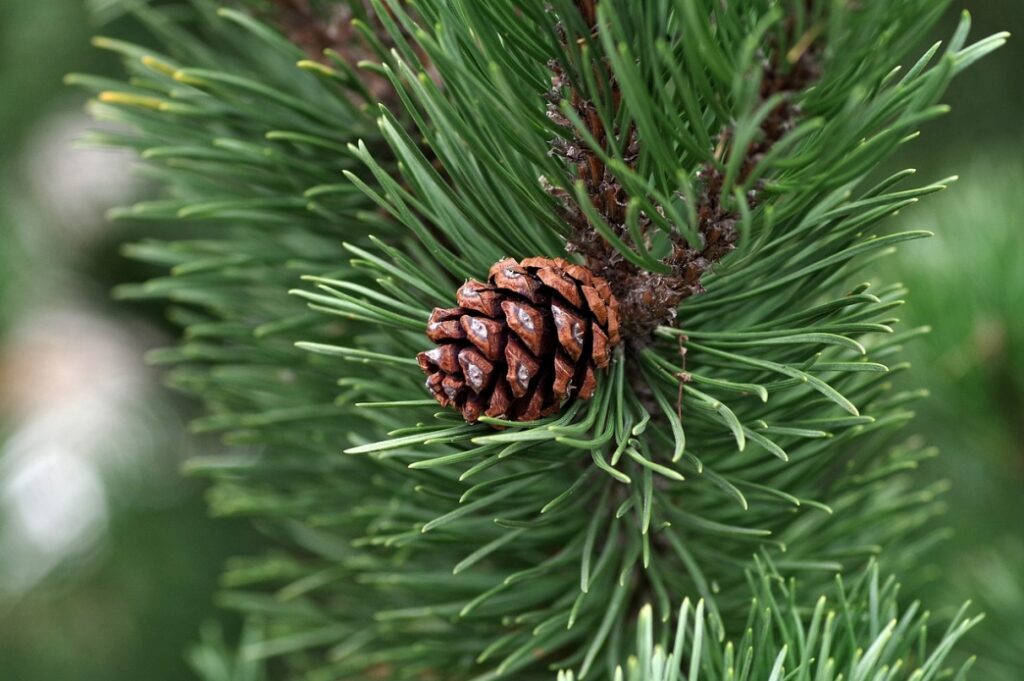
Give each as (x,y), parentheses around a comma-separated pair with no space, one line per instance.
(754,439)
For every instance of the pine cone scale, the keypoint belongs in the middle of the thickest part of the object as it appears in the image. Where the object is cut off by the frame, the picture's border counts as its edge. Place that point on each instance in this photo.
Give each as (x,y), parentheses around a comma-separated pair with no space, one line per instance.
(475,295)
(486,334)
(571,333)
(520,345)
(599,348)
(530,324)
(444,325)
(477,370)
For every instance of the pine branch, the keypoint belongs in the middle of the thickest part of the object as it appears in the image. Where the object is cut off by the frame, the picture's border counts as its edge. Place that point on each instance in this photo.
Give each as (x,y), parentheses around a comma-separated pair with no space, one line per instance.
(651,299)
(435,546)
(785,644)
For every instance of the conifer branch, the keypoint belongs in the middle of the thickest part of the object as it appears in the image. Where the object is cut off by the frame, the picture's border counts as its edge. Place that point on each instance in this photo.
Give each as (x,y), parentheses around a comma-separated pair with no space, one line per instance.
(651,298)
(438,548)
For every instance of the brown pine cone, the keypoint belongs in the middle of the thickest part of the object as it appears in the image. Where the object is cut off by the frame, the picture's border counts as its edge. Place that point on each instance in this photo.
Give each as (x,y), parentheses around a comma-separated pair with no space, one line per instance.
(518,346)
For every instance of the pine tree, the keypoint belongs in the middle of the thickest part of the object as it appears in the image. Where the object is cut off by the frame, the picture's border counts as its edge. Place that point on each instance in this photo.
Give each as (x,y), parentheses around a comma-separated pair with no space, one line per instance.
(730,502)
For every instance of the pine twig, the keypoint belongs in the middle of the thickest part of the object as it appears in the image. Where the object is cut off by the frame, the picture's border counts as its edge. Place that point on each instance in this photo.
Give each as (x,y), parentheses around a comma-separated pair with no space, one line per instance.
(650,299)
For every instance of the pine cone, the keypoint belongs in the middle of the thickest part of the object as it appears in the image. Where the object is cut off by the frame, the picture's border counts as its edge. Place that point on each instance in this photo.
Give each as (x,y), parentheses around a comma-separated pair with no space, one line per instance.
(518,346)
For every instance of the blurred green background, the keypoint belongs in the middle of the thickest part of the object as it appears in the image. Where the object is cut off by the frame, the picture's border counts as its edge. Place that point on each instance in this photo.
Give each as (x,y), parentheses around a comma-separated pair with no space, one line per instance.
(108,561)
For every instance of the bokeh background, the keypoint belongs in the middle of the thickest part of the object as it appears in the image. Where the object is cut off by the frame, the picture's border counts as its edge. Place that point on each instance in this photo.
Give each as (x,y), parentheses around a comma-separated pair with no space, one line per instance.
(108,560)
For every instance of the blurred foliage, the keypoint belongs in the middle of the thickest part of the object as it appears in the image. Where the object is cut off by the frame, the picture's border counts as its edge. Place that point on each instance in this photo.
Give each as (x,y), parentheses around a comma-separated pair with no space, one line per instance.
(134,611)
(39,41)
(129,608)
(968,285)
